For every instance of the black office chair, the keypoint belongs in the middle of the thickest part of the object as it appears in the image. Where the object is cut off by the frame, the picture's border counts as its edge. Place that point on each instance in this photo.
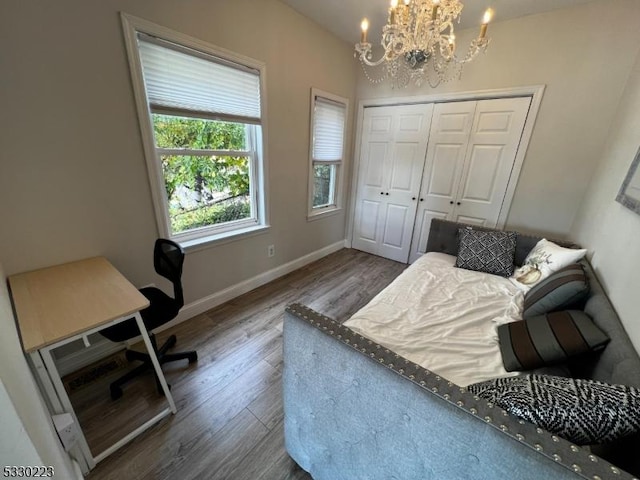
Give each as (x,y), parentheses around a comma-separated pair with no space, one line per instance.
(168,258)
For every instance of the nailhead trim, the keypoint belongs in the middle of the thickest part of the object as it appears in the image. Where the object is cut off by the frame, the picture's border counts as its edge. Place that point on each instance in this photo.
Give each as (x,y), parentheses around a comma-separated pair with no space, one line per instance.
(583,463)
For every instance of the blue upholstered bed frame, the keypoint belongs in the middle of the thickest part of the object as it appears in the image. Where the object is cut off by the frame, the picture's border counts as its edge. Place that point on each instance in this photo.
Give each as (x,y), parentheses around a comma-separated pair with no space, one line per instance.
(355,410)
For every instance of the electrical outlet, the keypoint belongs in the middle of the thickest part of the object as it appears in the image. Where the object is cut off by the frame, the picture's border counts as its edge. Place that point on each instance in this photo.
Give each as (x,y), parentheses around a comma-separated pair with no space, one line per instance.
(271,250)
(67,430)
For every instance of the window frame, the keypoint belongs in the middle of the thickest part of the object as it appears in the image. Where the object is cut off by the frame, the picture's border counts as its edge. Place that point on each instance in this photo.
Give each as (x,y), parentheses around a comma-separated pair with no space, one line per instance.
(314,213)
(256,138)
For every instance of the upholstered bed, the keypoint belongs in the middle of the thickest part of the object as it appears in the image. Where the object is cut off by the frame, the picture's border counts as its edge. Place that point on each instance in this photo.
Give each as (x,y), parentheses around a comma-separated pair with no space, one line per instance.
(357,409)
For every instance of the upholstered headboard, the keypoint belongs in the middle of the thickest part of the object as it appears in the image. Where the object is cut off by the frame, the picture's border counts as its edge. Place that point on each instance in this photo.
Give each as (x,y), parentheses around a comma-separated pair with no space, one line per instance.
(443,237)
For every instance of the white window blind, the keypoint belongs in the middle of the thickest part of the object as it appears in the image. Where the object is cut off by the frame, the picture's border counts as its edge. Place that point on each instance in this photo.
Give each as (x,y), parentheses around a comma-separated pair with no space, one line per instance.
(193,81)
(328,130)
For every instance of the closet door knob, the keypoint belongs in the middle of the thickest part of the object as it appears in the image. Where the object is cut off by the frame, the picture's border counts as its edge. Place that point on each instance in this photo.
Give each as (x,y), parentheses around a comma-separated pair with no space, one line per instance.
(451,202)
(381,193)
(387,193)
(422,199)
(458,203)
(413,198)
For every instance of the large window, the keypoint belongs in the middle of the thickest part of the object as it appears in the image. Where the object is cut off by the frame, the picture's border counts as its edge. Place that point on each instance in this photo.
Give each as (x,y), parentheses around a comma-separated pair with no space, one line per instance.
(202,119)
(328,123)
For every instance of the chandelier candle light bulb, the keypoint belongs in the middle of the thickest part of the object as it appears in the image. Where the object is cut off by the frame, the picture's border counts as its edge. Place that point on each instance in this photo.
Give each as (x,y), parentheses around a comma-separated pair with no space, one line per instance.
(434,10)
(392,12)
(488,15)
(419,43)
(364,26)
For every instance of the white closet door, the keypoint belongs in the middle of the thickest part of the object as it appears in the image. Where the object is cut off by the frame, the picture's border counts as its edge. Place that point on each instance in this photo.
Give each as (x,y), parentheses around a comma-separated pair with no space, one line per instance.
(392,151)
(472,150)
(493,144)
(448,141)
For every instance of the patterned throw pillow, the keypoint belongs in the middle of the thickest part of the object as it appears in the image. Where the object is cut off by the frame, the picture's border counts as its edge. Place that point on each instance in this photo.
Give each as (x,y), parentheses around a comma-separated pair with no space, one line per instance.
(558,291)
(488,252)
(548,340)
(584,412)
(544,259)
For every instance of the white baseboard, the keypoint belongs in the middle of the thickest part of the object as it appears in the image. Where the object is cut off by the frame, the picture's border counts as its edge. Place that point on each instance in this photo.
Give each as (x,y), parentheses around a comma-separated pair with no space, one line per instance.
(218,298)
(103,347)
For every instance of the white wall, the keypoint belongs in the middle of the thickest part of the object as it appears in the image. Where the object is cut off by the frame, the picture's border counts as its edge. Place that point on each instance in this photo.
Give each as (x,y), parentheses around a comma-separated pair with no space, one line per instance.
(27,430)
(584,56)
(610,231)
(74,181)
(16,447)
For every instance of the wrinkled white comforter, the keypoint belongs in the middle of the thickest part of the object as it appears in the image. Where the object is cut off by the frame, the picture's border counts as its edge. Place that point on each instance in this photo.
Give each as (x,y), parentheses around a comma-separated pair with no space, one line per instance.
(443,318)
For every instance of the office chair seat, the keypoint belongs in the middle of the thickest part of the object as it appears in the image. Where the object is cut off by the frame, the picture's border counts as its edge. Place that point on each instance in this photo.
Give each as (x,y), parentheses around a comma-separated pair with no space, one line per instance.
(162,308)
(168,259)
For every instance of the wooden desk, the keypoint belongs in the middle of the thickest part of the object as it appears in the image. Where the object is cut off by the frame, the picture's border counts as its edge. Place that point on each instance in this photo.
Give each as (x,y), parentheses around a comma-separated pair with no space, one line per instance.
(64,303)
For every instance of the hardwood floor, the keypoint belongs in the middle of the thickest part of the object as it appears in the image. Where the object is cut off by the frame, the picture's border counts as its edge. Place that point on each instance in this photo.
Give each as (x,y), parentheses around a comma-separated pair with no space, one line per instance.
(229,423)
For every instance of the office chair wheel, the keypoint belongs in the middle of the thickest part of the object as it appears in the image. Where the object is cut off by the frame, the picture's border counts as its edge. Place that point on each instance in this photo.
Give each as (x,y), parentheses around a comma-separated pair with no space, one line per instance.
(116,392)
(193,357)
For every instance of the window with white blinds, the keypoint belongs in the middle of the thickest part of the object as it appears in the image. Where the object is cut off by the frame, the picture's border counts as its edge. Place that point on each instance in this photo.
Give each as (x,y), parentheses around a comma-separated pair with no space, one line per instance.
(200,111)
(328,130)
(328,125)
(179,78)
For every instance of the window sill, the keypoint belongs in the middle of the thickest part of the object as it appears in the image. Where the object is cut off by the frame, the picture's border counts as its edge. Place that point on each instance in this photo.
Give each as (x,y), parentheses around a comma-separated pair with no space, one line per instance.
(324,213)
(203,243)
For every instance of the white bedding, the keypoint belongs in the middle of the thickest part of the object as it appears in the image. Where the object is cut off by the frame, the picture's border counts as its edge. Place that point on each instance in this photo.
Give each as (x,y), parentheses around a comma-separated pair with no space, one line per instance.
(443,318)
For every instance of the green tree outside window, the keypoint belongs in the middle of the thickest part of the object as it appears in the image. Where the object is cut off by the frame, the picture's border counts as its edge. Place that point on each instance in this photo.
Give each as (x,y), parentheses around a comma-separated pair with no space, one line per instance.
(203,188)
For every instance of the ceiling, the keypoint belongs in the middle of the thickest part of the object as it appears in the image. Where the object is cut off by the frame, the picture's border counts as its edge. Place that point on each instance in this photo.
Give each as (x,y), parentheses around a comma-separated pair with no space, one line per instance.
(343,17)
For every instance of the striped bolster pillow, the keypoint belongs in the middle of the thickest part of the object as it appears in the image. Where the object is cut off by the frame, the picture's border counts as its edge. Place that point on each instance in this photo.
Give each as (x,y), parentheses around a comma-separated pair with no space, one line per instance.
(558,291)
(548,339)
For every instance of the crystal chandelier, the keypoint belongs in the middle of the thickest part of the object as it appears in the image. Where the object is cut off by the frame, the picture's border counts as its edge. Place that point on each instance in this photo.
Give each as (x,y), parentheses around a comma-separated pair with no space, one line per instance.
(419,43)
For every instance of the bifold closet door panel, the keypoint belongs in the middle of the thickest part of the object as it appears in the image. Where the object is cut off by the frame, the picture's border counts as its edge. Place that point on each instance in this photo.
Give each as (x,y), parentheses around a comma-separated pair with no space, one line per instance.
(392,150)
(493,146)
(471,153)
(447,148)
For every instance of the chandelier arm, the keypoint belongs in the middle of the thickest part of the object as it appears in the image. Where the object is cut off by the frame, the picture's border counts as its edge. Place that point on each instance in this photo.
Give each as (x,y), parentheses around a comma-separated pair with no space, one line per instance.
(474,49)
(364,58)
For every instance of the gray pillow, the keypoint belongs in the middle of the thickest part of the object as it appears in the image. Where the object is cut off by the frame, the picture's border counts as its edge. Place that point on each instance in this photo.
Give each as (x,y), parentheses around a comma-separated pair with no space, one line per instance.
(489,252)
(581,411)
(548,340)
(558,291)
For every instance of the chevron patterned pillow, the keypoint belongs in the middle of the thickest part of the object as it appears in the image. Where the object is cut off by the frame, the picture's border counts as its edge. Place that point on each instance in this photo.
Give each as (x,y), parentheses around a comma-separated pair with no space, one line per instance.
(486,251)
(584,412)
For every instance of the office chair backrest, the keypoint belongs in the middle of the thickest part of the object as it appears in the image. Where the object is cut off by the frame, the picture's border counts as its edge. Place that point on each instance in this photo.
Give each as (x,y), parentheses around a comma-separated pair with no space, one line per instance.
(168,258)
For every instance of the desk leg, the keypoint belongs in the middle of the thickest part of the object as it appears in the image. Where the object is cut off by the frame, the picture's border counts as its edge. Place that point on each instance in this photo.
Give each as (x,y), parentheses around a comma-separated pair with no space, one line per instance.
(45,383)
(156,364)
(50,379)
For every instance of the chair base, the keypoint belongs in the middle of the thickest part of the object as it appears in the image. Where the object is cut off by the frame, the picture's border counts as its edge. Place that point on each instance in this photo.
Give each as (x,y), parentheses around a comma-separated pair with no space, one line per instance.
(163,357)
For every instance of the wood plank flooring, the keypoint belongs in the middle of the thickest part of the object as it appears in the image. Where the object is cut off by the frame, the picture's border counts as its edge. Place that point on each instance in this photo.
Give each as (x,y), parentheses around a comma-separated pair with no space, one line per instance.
(229,423)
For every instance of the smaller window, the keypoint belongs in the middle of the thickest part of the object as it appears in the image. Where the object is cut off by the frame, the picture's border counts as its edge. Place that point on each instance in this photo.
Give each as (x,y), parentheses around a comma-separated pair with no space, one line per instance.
(328,123)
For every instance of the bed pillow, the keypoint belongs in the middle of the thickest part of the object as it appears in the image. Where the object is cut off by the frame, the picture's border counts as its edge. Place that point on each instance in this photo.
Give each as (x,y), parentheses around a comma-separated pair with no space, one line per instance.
(544,259)
(547,340)
(582,411)
(558,291)
(486,251)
